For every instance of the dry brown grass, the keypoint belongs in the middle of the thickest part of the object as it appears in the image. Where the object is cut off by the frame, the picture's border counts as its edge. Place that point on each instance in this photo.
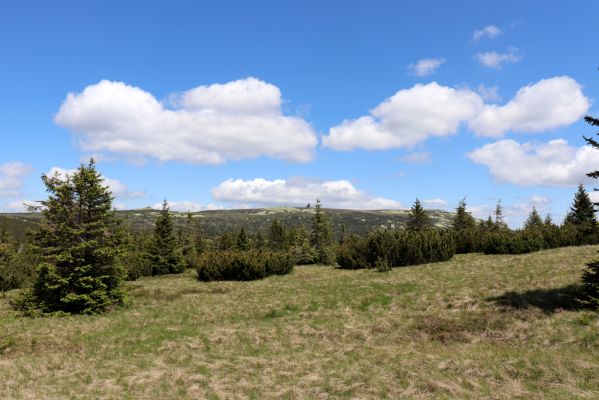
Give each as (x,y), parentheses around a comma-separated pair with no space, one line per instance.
(498,327)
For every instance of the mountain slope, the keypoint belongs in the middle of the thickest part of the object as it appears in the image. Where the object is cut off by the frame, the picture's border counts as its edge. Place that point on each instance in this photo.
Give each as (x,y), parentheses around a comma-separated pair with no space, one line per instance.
(258,219)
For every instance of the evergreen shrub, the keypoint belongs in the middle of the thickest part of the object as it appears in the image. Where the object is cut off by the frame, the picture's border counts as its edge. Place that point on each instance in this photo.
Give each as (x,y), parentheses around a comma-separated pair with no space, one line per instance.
(397,248)
(236,265)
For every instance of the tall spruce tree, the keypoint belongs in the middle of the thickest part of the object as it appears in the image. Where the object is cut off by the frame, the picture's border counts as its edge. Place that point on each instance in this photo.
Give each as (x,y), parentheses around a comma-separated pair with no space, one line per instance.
(499,219)
(321,235)
(418,219)
(463,219)
(592,142)
(590,276)
(165,253)
(582,211)
(79,239)
(534,220)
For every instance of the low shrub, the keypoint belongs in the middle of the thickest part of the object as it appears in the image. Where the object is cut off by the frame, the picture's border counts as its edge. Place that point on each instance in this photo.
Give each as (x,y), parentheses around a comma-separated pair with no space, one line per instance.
(304,255)
(397,248)
(221,265)
(382,265)
(507,241)
(469,240)
(325,255)
(17,267)
(136,265)
(513,242)
(352,254)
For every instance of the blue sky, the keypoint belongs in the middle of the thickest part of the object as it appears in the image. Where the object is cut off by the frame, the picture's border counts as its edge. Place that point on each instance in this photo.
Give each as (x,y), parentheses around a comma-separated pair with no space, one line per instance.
(366,104)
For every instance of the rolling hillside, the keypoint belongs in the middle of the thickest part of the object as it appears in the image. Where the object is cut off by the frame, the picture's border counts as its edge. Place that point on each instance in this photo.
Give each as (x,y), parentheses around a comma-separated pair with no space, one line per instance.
(215,222)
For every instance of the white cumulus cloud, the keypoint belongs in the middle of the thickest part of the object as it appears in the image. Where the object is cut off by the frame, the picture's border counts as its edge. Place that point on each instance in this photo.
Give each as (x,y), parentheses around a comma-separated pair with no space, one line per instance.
(299,192)
(11,177)
(492,59)
(187,205)
(547,104)
(407,118)
(489,31)
(555,163)
(426,66)
(205,125)
(413,115)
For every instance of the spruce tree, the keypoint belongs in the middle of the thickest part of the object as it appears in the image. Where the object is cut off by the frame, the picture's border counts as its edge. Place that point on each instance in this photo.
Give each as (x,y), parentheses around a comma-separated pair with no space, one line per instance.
(590,276)
(292,238)
(321,235)
(499,220)
(226,241)
(165,253)
(186,242)
(418,219)
(582,211)
(276,236)
(79,239)
(551,232)
(534,220)
(243,242)
(259,242)
(489,224)
(594,143)
(199,244)
(463,219)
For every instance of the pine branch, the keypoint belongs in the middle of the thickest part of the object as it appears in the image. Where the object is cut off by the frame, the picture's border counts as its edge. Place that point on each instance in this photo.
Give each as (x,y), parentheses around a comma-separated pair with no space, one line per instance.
(591,141)
(594,174)
(591,120)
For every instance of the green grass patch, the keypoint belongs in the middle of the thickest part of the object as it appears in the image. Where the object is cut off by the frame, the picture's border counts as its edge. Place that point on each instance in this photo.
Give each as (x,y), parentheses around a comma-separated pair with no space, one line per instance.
(499,327)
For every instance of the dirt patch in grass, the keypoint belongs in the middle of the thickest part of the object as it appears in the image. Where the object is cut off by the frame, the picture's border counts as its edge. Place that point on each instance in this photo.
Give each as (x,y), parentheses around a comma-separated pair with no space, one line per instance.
(462,327)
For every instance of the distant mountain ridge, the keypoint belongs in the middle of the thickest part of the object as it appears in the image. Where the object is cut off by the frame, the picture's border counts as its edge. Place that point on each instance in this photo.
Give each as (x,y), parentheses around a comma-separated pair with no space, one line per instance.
(215,222)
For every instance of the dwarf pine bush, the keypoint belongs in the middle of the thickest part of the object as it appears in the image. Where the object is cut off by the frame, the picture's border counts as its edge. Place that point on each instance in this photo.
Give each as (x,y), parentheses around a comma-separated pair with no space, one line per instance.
(236,265)
(397,248)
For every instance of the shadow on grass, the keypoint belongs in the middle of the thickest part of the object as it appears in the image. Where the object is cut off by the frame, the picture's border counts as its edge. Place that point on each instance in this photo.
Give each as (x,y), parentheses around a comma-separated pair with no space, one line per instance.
(547,300)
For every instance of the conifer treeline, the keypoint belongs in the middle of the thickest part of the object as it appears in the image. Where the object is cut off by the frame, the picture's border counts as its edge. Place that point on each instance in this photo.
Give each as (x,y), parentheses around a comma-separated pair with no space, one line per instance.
(494,237)
(79,257)
(420,243)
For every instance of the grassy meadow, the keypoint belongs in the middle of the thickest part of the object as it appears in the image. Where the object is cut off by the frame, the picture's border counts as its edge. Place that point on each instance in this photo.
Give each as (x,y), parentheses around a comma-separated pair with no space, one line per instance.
(498,327)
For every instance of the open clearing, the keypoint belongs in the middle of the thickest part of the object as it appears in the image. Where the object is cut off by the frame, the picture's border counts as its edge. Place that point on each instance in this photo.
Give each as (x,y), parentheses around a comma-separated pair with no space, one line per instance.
(478,326)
